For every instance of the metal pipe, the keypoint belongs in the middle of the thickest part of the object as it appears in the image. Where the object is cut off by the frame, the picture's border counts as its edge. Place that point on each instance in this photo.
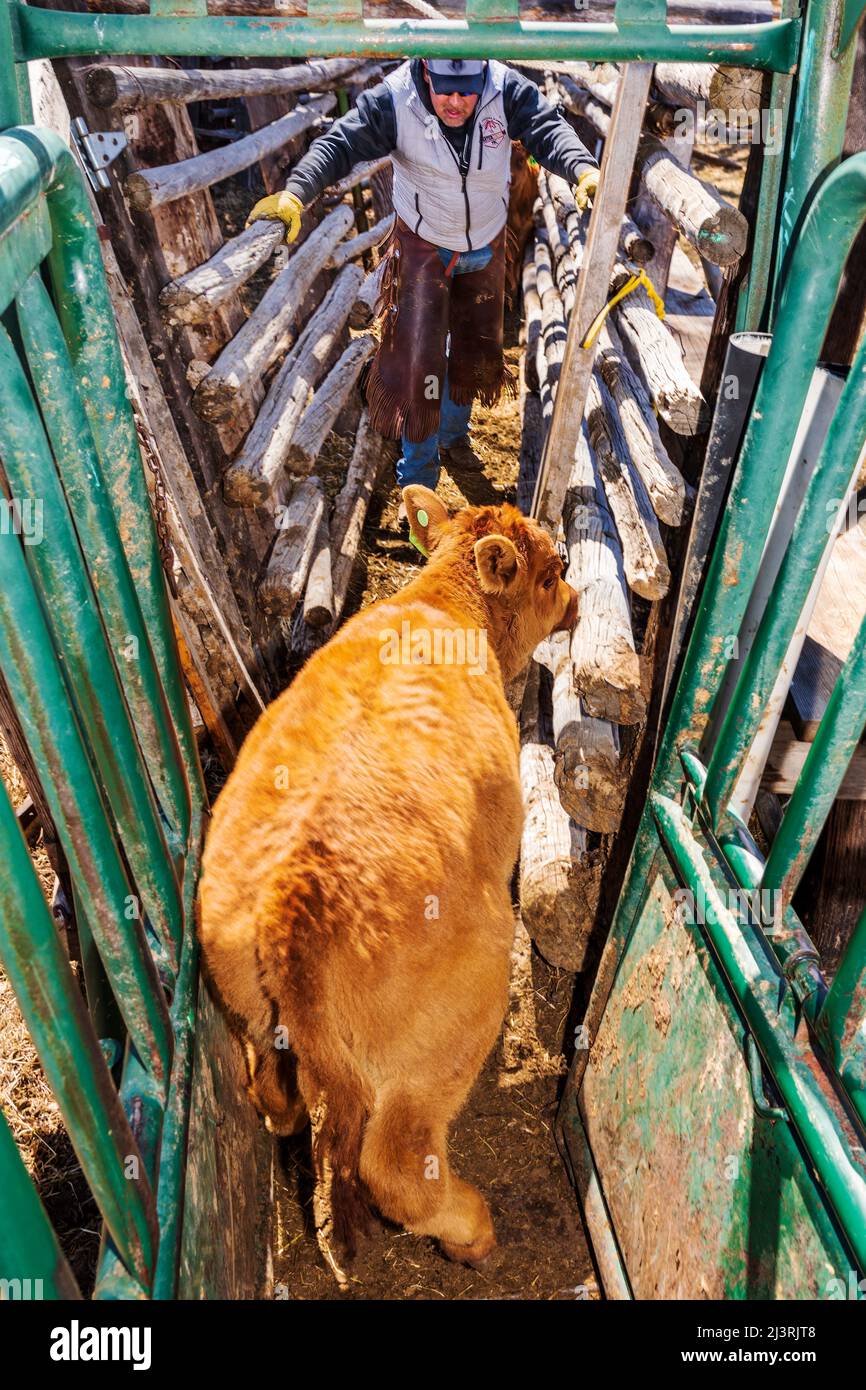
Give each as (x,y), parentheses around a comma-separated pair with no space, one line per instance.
(831,478)
(39,693)
(744,359)
(56,1016)
(755,983)
(65,34)
(71,604)
(26,1234)
(810,290)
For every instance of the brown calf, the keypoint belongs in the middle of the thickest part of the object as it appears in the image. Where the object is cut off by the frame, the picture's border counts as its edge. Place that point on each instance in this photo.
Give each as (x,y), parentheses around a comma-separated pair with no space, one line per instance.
(355,895)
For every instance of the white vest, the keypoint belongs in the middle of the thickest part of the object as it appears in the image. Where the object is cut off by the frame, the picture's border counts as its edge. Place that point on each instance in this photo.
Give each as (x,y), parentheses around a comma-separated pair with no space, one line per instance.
(429,193)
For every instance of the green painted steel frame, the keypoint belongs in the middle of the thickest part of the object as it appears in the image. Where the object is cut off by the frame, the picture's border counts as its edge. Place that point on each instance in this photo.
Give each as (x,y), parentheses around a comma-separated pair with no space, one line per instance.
(88,653)
(44,205)
(771,966)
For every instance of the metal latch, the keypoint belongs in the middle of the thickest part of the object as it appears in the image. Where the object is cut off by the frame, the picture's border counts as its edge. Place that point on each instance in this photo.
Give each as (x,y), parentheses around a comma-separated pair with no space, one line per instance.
(96,151)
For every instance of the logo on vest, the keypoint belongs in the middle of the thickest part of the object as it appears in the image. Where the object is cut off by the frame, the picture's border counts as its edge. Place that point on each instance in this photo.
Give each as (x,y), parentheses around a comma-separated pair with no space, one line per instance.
(492,132)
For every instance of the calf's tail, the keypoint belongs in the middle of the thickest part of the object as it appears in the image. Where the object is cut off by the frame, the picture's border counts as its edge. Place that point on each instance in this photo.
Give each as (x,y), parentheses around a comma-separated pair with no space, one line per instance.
(292,956)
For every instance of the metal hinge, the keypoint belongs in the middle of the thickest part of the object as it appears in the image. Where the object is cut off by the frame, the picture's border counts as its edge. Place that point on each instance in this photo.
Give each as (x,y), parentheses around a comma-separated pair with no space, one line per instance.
(96,151)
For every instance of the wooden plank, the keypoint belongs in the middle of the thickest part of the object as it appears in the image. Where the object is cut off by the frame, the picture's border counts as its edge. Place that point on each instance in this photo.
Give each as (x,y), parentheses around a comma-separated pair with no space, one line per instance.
(605,229)
(812,687)
(786,760)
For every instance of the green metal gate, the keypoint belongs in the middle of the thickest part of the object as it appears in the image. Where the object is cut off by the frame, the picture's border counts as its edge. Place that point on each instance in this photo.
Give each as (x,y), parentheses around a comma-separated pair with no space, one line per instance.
(87,650)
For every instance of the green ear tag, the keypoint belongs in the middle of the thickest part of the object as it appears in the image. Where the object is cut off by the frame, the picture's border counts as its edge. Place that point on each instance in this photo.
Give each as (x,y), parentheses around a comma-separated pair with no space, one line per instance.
(423,518)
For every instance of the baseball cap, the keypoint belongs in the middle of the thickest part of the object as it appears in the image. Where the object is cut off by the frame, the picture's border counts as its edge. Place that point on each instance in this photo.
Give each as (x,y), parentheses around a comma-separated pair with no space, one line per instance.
(465,75)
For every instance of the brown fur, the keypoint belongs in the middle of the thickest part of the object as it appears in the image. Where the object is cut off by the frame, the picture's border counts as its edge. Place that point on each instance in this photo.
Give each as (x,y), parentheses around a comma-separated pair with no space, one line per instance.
(521,200)
(356,875)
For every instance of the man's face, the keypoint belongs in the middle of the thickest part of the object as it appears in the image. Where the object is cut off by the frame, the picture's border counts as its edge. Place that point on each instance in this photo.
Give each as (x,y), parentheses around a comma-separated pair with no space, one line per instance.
(453,109)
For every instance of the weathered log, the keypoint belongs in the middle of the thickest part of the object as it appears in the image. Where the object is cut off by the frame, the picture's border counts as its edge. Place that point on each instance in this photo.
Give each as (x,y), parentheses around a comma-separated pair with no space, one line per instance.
(531,318)
(557,902)
(319,593)
(369,457)
(589,777)
(318,419)
(723,89)
(193,297)
(716,229)
(292,554)
(350,509)
(558,245)
(151,188)
(634,244)
(582,102)
(657,359)
(552,338)
(250,479)
(357,245)
(359,174)
(661,477)
(607,674)
(268,331)
(644,559)
(364,308)
(127,89)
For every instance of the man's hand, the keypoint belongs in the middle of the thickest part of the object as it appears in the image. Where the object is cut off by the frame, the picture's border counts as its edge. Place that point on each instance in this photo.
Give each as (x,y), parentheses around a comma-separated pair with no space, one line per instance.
(281,207)
(586,188)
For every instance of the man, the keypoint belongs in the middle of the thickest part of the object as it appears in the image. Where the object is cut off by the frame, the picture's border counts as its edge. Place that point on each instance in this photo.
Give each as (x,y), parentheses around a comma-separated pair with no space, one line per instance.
(448,125)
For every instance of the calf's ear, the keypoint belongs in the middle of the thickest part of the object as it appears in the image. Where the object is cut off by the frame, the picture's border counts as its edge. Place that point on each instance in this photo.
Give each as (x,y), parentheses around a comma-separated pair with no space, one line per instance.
(426,514)
(497,563)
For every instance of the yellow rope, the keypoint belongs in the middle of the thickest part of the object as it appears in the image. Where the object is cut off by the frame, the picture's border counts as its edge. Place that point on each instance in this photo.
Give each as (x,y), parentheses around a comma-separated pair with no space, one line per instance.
(639,277)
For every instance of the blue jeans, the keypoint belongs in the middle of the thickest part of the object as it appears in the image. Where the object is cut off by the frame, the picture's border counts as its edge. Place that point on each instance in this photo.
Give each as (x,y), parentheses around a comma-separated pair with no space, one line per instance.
(419,463)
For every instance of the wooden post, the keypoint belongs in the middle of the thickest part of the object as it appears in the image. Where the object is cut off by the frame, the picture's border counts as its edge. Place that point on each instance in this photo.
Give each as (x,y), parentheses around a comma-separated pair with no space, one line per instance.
(604,235)
(293,549)
(195,296)
(318,419)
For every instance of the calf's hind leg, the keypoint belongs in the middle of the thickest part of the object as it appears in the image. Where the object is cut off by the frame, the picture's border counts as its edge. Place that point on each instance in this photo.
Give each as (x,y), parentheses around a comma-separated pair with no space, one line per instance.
(404,1164)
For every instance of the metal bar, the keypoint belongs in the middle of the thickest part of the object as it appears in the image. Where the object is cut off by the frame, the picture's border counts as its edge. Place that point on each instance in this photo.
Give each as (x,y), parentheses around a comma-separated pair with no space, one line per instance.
(573,1145)
(65,34)
(29,1250)
(36,158)
(790,942)
(753,299)
(810,289)
(754,981)
(841,1023)
(830,478)
(84,309)
(744,359)
(71,604)
(54,1011)
(823,771)
(823,91)
(37,688)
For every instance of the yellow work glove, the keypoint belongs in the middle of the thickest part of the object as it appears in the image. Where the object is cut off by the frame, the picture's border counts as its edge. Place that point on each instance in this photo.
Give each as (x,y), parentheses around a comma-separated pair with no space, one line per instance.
(281,207)
(586,188)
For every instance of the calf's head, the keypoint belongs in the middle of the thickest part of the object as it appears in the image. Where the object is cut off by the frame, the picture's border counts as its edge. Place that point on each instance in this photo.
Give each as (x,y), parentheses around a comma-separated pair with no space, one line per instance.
(506,560)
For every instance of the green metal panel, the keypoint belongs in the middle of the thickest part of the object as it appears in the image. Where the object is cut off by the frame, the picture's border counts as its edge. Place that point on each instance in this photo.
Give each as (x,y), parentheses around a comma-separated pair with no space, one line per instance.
(707,1198)
(88,655)
(691,1021)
